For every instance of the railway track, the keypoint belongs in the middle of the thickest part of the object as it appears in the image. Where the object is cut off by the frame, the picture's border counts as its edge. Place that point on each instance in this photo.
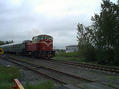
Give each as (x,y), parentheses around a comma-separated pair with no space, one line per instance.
(109,69)
(60,77)
(91,66)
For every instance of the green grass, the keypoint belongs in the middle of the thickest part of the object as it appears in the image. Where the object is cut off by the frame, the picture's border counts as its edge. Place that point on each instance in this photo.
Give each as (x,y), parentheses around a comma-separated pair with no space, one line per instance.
(8,74)
(113,77)
(72,56)
(42,85)
(112,80)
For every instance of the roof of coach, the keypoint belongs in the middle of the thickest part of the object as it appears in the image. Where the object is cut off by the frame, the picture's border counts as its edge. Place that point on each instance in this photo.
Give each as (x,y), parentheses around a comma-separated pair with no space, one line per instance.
(10,44)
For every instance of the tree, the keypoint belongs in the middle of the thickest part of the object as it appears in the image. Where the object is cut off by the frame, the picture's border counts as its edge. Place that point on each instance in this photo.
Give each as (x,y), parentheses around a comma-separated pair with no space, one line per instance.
(103,34)
(106,26)
(1,42)
(6,42)
(85,42)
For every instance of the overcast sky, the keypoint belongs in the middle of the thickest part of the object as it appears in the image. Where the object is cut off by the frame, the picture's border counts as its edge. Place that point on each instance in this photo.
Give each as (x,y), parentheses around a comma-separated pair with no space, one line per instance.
(22,19)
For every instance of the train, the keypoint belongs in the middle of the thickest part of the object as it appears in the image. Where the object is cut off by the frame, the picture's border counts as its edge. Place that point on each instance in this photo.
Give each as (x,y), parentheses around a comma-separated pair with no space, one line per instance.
(39,46)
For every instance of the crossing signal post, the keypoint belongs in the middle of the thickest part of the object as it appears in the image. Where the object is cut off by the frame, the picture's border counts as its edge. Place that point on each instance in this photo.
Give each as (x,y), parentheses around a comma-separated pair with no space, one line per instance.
(17,85)
(1,51)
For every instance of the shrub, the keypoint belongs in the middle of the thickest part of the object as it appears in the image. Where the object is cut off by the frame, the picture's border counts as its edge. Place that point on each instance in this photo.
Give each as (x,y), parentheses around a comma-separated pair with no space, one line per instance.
(87,52)
(104,56)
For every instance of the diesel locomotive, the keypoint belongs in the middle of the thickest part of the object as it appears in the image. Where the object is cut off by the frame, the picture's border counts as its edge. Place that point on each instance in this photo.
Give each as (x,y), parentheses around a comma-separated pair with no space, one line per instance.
(39,46)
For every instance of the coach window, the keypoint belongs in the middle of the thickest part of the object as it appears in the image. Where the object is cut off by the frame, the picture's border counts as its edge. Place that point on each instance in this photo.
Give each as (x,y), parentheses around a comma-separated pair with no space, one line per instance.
(46,37)
(35,39)
(50,38)
(41,38)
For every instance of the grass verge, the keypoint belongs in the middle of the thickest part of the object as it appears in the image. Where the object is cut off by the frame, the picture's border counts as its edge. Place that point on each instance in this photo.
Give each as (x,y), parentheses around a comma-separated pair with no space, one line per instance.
(42,85)
(7,74)
(72,56)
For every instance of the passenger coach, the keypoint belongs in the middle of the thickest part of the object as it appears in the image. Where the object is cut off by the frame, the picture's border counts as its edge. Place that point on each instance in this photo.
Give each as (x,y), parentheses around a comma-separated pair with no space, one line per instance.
(40,46)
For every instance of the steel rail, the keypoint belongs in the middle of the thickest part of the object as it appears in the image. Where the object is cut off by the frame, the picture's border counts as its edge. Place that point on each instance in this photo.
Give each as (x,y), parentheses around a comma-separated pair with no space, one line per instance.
(35,65)
(87,65)
(35,70)
(91,66)
(57,80)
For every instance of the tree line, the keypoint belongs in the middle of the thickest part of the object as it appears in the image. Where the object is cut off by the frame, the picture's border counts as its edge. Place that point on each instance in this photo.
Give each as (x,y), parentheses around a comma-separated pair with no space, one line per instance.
(99,42)
(6,42)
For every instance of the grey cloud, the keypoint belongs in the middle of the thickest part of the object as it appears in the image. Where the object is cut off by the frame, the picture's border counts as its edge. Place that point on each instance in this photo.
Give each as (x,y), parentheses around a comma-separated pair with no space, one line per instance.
(20,23)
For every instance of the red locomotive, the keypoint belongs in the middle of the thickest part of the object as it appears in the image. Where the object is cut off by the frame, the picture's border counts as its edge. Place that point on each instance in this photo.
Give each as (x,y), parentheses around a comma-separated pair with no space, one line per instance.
(40,46)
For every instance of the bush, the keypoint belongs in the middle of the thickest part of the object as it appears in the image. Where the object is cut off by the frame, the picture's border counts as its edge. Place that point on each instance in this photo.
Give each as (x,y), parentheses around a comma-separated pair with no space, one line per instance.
(116,56)
(87,52)
(105,56)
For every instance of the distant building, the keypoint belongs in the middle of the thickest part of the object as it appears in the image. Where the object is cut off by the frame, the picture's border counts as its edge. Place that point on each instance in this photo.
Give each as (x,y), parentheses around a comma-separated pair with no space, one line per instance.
(71,48)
